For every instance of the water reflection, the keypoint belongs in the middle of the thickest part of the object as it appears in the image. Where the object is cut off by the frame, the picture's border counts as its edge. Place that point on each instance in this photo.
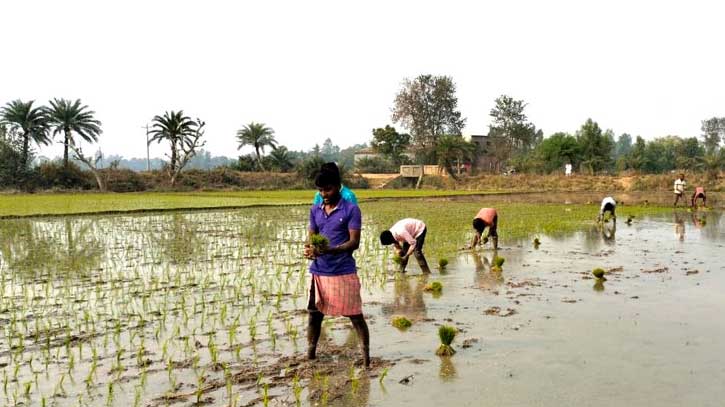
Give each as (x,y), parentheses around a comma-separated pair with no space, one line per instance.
(32,247)
(679,226)
(484,277)
(598,285)
(447,370)
(408,297)
(178,240)
(609,229)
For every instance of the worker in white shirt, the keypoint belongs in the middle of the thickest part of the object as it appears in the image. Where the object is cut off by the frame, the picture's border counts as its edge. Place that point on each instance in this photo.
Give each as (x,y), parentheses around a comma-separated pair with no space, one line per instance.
(680,185)
(608,206)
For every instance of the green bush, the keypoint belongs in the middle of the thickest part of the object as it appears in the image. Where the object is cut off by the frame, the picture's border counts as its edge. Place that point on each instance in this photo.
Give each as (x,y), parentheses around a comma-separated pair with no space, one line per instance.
(123,180)
(53,174)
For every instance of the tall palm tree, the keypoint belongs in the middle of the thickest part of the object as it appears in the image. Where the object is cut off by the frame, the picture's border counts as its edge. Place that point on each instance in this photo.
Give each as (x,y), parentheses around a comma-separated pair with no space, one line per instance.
(32,121)
(175,128)
(72,117)
(257,135)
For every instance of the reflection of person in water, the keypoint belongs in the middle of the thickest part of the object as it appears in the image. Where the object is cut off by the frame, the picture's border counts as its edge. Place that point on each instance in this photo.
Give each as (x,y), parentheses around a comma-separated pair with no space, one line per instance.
(408,298)
(696,221)
(484,277)
(608,231)
(679,227)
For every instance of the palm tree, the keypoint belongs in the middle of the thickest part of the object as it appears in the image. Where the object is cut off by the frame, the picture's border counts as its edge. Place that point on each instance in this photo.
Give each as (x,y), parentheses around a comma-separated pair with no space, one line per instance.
(281,158)
(32,121)
(258,136)
(451,150)
(175,128)
(71,117)
(712,162)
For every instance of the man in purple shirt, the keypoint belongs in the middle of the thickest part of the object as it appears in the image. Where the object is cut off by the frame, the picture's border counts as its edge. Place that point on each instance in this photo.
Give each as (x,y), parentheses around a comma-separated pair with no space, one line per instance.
(335,287)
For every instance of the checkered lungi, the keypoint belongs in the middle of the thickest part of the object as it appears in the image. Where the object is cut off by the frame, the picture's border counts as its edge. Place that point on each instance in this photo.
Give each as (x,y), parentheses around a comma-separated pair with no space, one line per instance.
(335,295)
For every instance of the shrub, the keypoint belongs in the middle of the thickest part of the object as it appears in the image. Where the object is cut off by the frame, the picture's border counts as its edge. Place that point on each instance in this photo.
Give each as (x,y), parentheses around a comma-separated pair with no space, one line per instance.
(123,180)
(53,174)
(376,165)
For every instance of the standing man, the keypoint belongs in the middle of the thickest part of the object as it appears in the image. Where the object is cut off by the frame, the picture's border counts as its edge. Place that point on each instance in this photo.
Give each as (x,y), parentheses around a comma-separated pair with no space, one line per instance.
(567,169)
(680,185)
(335,287)
(486,218)
(408,237)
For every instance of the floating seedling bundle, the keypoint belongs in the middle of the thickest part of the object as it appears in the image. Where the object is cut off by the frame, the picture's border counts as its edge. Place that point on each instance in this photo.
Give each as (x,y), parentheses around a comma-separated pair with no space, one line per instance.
(434,287)
(401,322)
(498,262)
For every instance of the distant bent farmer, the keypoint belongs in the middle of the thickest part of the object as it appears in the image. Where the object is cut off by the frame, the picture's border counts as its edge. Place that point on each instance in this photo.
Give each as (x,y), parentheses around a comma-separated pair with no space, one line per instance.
(680,185)
(699,193)
(408,237)
(486,218)
(335,287)
(609,205)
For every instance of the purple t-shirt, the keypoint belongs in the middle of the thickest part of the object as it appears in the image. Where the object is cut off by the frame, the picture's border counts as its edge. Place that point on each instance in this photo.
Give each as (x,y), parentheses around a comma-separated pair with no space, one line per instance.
(335,227)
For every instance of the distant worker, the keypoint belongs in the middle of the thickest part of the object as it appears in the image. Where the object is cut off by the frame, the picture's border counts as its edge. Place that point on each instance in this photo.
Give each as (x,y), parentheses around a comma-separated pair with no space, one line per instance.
(680,185)
(345,192)
(699,193)
(567,169)
(486,218)
(609,205)
(408,237)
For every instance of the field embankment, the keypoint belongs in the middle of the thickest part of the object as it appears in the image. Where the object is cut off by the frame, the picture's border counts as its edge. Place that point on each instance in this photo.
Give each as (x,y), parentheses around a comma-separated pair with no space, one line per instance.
(52,204)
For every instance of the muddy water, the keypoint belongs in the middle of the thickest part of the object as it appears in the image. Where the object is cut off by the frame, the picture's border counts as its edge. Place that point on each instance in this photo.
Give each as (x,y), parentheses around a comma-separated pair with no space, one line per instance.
(640,338)
(542,332)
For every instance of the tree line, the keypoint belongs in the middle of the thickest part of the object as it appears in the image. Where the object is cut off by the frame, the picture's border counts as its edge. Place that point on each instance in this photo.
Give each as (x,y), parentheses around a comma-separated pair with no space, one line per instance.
(427,108)
(25,126)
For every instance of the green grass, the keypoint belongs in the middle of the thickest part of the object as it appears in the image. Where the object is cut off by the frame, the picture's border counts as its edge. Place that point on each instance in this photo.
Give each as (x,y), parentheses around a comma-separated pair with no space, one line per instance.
(449,222)
(83,203)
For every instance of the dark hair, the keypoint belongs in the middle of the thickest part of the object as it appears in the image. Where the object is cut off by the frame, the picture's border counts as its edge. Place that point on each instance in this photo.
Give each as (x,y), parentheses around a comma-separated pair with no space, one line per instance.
(386,238)
(479,225)
(330,167)
(327,178)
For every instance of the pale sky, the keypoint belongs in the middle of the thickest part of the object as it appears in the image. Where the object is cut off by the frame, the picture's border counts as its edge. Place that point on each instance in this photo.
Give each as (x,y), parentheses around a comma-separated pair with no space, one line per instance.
(318,69)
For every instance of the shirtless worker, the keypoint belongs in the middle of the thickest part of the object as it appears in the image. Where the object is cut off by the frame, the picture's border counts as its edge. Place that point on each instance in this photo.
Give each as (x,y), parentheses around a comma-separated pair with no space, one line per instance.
(486,218)
(699,194)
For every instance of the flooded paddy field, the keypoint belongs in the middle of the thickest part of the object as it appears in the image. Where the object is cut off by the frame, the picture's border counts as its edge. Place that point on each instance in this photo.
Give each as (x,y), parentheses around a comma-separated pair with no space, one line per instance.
(207,308)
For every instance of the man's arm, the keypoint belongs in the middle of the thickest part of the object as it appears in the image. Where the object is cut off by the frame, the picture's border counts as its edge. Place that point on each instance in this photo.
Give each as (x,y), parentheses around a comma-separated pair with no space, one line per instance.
(476,239)
(351,245)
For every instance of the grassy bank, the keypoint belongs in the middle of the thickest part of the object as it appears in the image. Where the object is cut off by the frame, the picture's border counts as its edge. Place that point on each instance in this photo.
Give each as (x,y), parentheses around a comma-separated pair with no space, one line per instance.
(82,203)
